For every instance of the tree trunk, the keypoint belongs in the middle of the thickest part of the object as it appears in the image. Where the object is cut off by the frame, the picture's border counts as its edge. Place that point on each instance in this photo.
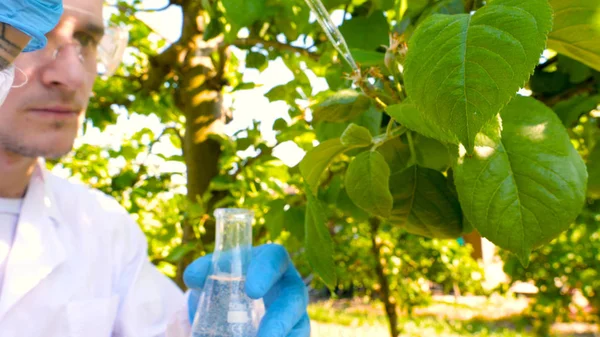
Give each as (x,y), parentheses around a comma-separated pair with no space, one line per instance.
(201,101)
(390,307)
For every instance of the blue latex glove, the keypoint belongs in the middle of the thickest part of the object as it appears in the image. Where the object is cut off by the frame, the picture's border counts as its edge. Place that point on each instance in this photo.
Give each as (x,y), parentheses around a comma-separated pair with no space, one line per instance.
(271,276)
(33,17)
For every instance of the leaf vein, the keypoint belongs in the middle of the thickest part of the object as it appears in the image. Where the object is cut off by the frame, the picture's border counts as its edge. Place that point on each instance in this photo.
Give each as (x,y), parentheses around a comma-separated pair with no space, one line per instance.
(540,165)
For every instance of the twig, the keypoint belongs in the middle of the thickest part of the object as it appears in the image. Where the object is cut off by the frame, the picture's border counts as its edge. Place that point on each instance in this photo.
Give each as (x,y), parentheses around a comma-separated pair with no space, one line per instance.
(546,64)
(251,161)
(142,168)
(249,42)
(588,86)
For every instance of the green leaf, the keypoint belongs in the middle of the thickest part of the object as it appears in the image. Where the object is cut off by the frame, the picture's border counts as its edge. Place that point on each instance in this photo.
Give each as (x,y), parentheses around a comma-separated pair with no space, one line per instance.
(524,190)
(593,167)
(462,69)
(335,77)
(549,83)
(342,106)
(257,61)
(318,159)
(423,203)
(243,13)
(283,92)
(431,154)
(577,71)
(368,58)
(357,37)
(408,115)
(346,205)
(383,4)
(356,135)
(443,7)
(245,86)
(180,251)
(294,222)
(319,244)
(213,29)
(274,219)
(576,30)
(396,154)
(367,183)
(570,110)
(333,191)
(467,226)
(326,131)
(371,120)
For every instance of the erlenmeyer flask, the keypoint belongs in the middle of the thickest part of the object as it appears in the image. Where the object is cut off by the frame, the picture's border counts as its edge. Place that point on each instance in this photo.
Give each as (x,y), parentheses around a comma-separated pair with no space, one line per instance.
(224,309)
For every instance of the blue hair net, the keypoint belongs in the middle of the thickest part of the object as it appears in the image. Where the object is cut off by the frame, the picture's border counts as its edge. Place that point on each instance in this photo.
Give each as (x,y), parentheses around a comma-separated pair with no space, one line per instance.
(33,17)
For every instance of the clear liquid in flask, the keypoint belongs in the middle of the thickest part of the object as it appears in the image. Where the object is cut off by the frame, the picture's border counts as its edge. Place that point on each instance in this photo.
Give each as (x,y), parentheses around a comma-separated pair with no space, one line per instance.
(224,309)
(230,312)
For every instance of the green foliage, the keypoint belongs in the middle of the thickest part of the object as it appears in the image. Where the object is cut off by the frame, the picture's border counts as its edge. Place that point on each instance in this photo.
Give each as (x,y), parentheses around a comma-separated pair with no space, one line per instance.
(568,265)
(370,39)
(513,164)
(317,161)
(367,183)
(424,205)
(513,189)
(318,241)
(356,135)
(342,106)
(410,116)
(483,60)
(243,14)
(576,30)
(570,110)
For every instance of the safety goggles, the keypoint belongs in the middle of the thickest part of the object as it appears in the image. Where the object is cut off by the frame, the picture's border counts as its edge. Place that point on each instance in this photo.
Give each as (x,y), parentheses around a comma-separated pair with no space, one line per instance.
(111,49)
(104,56)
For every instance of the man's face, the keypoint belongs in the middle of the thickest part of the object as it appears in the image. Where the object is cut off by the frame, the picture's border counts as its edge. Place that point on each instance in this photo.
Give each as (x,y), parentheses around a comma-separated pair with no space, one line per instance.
(42,118)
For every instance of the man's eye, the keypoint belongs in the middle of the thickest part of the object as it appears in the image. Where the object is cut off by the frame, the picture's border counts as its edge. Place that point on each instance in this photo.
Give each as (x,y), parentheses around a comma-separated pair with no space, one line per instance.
(85,39)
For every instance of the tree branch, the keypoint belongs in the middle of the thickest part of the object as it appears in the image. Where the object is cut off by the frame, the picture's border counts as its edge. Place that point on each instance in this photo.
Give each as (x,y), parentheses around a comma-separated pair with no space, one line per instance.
(132,10)
(250,42)
(547,63)
(588,86)
(142,168)
(156,9)
(251,161)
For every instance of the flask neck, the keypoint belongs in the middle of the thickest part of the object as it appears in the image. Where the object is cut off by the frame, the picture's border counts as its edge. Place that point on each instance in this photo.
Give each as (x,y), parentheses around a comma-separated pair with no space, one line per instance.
(233,243)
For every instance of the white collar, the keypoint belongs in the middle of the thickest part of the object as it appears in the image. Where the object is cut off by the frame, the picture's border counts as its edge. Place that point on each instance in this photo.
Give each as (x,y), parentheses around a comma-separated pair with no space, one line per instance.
(37,249)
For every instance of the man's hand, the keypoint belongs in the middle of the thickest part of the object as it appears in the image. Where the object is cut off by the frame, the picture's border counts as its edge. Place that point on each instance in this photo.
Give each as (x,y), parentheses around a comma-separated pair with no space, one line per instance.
(271,276)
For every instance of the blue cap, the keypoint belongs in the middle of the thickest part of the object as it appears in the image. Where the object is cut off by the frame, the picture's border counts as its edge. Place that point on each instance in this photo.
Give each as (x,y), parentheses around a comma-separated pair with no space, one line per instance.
(33,17)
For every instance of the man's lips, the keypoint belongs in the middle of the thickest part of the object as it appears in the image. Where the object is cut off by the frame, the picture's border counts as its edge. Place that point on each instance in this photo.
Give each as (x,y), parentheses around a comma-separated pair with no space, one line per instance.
(57,111)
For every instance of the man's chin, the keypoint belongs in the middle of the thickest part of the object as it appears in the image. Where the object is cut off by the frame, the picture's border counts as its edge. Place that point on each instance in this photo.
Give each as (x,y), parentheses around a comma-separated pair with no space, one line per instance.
(32,151)
(55,156)
(57,152)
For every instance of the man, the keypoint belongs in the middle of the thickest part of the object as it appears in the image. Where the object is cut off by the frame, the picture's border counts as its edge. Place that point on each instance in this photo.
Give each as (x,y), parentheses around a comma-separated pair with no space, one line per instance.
(72,261)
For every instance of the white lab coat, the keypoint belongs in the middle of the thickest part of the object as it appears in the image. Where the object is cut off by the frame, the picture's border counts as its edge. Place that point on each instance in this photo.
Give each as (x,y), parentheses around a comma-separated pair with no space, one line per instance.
(79,268)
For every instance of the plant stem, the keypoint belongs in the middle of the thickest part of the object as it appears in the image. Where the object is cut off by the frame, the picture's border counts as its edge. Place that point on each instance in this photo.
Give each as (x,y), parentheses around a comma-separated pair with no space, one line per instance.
(388,130)
(389,135)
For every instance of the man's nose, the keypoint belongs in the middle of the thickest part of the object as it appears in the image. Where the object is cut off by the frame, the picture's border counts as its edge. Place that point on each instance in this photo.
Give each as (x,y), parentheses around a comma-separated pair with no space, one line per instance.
(66,71)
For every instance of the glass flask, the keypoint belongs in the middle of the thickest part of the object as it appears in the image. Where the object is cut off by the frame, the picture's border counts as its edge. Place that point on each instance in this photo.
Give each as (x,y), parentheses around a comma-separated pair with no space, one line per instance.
(224,309)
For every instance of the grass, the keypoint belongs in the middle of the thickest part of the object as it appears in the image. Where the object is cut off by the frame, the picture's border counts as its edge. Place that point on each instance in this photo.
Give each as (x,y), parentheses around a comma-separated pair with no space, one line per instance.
(324,312)
(360,317)
(352,319)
